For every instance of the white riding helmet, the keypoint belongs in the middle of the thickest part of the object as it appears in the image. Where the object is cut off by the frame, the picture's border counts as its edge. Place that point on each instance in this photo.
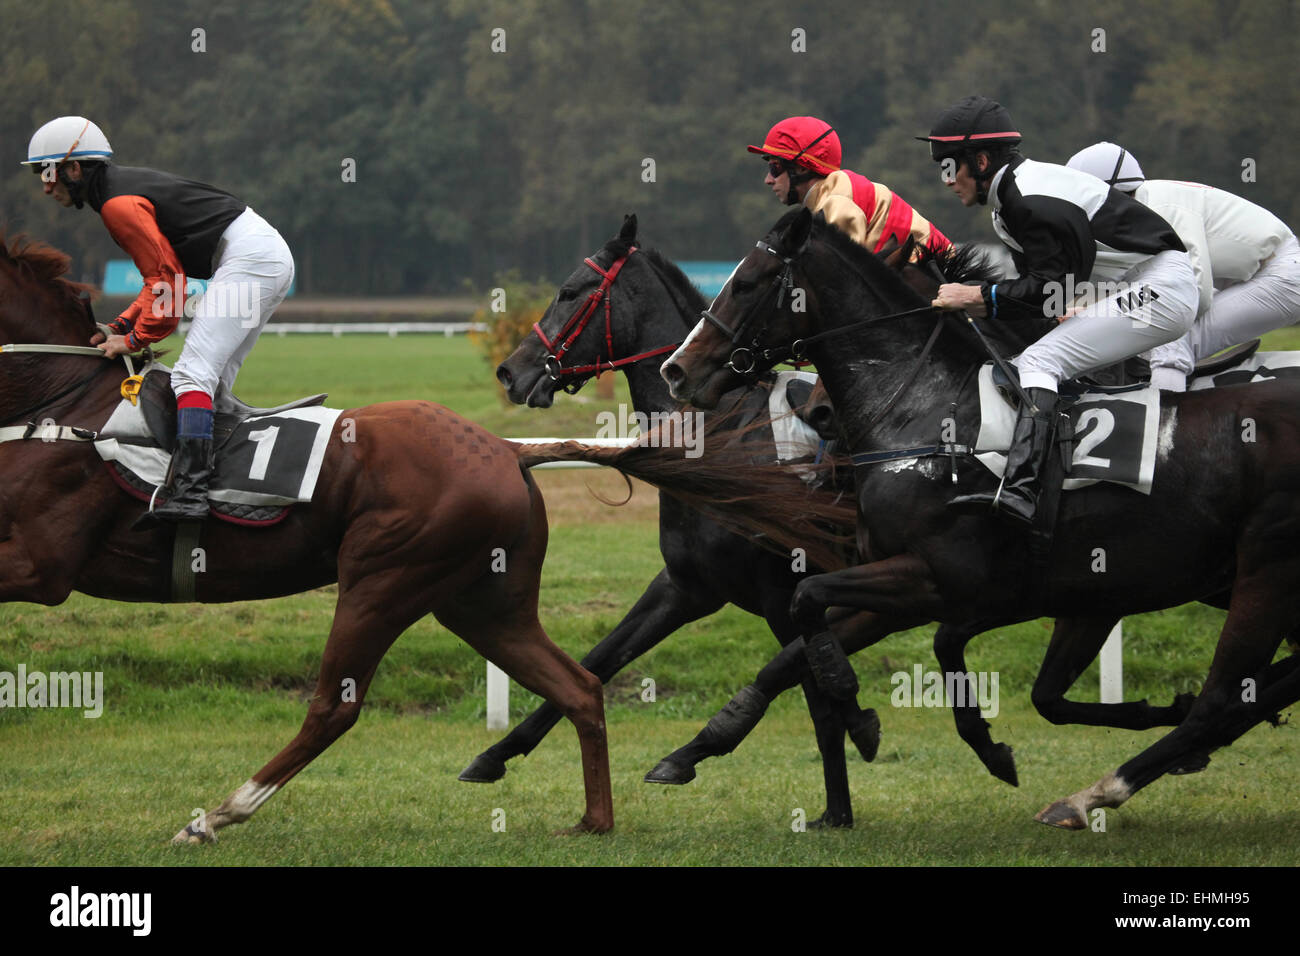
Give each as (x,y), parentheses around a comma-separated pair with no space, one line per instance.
(68,137)
(1112,164)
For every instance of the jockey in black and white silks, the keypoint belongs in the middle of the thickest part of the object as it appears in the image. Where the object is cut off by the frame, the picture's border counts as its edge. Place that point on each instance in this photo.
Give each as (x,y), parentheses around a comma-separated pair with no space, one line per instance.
(1069,235)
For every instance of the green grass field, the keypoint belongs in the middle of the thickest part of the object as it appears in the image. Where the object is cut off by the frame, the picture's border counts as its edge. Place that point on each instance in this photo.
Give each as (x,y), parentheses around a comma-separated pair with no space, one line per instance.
(199,697)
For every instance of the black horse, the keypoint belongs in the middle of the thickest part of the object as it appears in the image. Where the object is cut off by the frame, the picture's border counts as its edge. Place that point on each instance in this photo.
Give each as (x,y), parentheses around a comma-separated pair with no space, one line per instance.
(1075,642)
(628,309)
(1223,513)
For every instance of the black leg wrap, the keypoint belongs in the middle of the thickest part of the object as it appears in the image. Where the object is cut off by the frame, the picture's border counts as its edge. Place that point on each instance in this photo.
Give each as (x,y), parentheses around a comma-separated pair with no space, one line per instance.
(729,726)
(830,667)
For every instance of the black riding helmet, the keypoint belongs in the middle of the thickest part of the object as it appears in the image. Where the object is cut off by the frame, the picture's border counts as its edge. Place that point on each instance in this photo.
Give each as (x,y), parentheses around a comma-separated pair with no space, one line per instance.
(975,124)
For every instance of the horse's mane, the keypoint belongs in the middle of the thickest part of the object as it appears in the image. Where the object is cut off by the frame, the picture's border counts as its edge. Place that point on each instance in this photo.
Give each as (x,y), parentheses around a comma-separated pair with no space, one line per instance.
(677,278)
(668,270)
(41,262)
(964,263)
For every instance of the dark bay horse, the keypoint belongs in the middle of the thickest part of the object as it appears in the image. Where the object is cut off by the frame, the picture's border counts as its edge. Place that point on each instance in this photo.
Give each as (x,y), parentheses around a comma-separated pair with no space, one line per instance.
(1075,644)
(422,513)
(1223,513)
(625,308)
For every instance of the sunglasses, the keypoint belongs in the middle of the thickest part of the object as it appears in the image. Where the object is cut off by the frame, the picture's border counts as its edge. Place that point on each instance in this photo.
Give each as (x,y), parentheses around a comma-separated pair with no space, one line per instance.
(776,167)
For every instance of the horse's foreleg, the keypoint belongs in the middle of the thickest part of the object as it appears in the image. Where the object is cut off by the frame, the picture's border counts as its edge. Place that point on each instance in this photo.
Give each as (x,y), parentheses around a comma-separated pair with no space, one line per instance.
(949,648)
(901,584)
(829,725)
(662,609)
(368,618)
(726,729)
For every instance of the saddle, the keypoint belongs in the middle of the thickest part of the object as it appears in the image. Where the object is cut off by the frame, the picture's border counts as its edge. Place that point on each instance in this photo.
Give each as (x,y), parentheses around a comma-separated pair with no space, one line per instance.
(158,405)
(1134,374)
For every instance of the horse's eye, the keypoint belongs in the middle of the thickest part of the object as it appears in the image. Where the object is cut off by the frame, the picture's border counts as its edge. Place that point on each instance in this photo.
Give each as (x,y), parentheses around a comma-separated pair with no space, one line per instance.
(741,286)
(567,294)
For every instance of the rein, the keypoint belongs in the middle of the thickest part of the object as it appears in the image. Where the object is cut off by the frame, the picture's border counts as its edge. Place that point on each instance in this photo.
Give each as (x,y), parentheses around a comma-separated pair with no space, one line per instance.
(569,334)
(75,388)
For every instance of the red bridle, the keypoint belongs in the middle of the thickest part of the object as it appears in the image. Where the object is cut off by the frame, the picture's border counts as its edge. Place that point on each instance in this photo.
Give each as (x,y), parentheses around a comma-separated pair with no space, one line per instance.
(578,322)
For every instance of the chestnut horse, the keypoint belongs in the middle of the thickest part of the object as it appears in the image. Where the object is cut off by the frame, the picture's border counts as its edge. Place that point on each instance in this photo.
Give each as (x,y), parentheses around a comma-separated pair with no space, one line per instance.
(422,513)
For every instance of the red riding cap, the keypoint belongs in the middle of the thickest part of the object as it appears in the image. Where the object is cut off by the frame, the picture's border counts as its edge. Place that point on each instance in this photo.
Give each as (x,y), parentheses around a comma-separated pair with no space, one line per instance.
(790,138)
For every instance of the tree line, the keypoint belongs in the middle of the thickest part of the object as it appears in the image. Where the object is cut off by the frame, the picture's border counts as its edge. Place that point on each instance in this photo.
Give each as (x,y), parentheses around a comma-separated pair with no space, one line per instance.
(408,147)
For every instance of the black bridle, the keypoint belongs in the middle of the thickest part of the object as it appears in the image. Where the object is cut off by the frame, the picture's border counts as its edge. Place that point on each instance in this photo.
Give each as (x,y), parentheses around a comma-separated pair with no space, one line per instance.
(797,350)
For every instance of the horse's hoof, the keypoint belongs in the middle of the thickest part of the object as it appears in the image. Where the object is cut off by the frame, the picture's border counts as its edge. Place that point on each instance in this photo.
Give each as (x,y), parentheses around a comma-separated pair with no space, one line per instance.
(668,772)
(1192,763)
(865,734)
(1062,815)
(1001,762)
(483,769)
(829,821)
(586,826)
(192,837)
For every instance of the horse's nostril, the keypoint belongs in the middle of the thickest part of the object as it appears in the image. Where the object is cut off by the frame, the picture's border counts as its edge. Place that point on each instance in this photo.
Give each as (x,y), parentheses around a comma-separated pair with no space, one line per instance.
(672,373)
(504,376)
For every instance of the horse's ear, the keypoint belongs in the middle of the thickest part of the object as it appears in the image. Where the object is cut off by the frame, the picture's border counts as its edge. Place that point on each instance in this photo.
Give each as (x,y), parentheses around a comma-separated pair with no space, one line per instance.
(628,232)
(797,233)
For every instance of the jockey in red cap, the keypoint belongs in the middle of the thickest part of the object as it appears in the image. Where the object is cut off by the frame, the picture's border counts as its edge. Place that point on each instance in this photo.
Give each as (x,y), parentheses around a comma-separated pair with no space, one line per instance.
(803,155)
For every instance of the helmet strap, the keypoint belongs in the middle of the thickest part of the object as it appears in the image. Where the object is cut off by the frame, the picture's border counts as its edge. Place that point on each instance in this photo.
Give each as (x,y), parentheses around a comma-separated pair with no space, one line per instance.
(76,187)
(797,177)
(799,174)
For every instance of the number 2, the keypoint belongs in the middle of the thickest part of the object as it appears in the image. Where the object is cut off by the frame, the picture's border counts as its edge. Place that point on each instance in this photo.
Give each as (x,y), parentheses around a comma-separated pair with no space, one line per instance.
(1105,422)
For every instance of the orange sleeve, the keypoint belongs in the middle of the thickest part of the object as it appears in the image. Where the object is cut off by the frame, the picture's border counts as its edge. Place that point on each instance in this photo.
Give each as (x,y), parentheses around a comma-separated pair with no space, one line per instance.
(131,222)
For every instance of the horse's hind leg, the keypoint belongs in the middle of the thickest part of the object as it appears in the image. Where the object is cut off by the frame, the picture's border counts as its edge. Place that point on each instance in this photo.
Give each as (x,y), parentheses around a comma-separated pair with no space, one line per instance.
(496,614)
(369,616)
(1075,644)
(513,639)
(662,610)
(1230,703)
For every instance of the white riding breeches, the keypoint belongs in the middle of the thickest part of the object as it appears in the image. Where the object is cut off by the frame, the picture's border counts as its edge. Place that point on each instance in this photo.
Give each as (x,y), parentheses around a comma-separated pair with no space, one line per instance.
(1156,303)
(1268,300)
(254,269)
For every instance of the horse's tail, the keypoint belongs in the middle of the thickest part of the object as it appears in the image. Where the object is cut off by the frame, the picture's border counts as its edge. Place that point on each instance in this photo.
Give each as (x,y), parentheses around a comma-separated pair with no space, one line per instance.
(767,503)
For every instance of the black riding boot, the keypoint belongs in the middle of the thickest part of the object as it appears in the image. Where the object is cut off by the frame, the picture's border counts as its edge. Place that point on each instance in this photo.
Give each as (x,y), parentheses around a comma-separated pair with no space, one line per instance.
(190,470)
(1030,446)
